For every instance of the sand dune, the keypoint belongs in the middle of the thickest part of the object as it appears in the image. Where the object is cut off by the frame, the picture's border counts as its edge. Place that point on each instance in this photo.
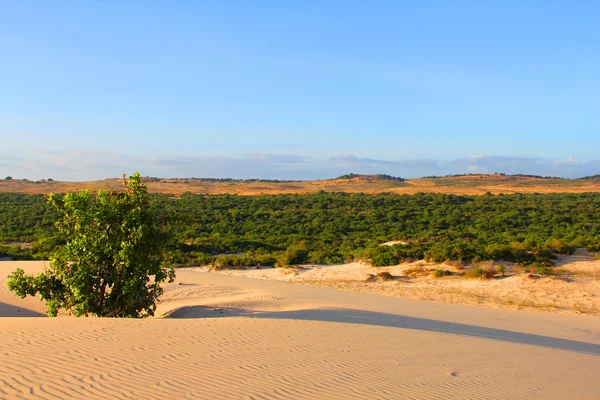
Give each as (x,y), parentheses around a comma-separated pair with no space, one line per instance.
(229,337)
(573,289)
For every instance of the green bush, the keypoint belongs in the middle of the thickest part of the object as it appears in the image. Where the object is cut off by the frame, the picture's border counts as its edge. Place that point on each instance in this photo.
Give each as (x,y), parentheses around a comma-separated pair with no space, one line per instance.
(440,273)
(384,260)
(481,273)
(500,269)
(295,254)
(541,268)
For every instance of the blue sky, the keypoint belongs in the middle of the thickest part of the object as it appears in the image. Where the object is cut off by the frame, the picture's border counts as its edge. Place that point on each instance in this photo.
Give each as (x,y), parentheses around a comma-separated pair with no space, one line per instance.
(298,89)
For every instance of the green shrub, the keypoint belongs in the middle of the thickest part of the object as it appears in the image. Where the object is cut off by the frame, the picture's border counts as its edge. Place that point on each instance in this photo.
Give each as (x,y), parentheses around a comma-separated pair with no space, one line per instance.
(541,267)
(559,246)
(295,254)
(440,273)
(500,269)
(481,273)
(384,260)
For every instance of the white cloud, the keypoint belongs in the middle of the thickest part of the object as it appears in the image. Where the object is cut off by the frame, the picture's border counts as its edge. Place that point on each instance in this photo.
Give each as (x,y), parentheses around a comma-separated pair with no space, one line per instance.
(86,164)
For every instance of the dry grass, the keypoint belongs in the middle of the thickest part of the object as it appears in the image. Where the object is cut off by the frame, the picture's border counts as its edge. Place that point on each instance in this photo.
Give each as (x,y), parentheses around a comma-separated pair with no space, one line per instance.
(582,308)
(295,269)
(482,272)
(219,267)
(417,272)
(561,292)
(382,276)
(594,274)
(385,276)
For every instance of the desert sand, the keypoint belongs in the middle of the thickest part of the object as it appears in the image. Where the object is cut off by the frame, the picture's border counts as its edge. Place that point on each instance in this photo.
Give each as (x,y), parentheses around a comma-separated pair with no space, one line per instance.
(218,336)
(573,288)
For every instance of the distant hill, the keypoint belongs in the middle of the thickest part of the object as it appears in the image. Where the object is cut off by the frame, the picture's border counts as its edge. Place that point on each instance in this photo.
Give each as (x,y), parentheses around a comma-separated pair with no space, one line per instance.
(351,183)
(592,177)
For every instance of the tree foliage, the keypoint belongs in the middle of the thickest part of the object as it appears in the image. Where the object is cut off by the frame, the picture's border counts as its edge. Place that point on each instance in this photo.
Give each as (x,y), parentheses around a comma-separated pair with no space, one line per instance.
(111,264)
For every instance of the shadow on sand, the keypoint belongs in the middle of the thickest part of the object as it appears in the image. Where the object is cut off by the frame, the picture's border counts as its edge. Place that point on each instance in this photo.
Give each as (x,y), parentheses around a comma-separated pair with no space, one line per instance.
(394,321)
(7,310)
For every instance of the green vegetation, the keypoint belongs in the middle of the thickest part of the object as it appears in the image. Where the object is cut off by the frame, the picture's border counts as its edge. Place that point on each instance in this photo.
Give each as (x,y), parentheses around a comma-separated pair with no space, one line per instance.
(500,269)
(111,263)
(440,273)
(541,267)
(382,177)
(481,273)
(319,228)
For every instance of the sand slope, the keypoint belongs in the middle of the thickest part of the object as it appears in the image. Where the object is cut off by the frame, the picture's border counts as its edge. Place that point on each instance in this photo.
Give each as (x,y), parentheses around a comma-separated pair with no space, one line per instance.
(574,288)
(224,337)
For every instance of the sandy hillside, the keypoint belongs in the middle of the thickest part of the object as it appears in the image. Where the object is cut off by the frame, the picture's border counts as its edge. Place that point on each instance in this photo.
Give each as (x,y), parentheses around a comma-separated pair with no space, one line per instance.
(574,287)
(229,337)
(468,184)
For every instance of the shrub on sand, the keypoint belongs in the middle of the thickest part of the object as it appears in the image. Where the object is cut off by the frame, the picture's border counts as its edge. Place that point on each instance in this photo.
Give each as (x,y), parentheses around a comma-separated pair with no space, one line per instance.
(416,272)
(540,268)
(440,273)
(385,276)
(486,272)
(500,269)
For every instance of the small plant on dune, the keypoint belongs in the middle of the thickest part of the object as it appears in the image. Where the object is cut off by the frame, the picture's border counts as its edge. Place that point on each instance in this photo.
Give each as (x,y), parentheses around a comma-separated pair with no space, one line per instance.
(597,257)
(481,272)
(416,272)
(385,276)
(541,268)
(500,269)
(440,273)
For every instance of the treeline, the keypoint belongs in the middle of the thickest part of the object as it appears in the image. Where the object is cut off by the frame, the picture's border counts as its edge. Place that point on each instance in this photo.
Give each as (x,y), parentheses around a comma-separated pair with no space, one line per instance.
(232,230)
(382,177)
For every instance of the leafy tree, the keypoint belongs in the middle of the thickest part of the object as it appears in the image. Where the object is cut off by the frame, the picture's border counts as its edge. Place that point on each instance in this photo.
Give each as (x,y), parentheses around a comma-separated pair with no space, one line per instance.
(8,178)
(111,264)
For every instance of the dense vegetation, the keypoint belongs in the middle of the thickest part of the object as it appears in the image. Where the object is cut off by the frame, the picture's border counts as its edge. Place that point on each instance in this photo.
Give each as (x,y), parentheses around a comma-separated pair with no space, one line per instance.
(335,227)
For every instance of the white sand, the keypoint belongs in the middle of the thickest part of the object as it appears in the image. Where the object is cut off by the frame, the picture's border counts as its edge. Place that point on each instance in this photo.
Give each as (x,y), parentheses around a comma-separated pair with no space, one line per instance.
(228,337)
